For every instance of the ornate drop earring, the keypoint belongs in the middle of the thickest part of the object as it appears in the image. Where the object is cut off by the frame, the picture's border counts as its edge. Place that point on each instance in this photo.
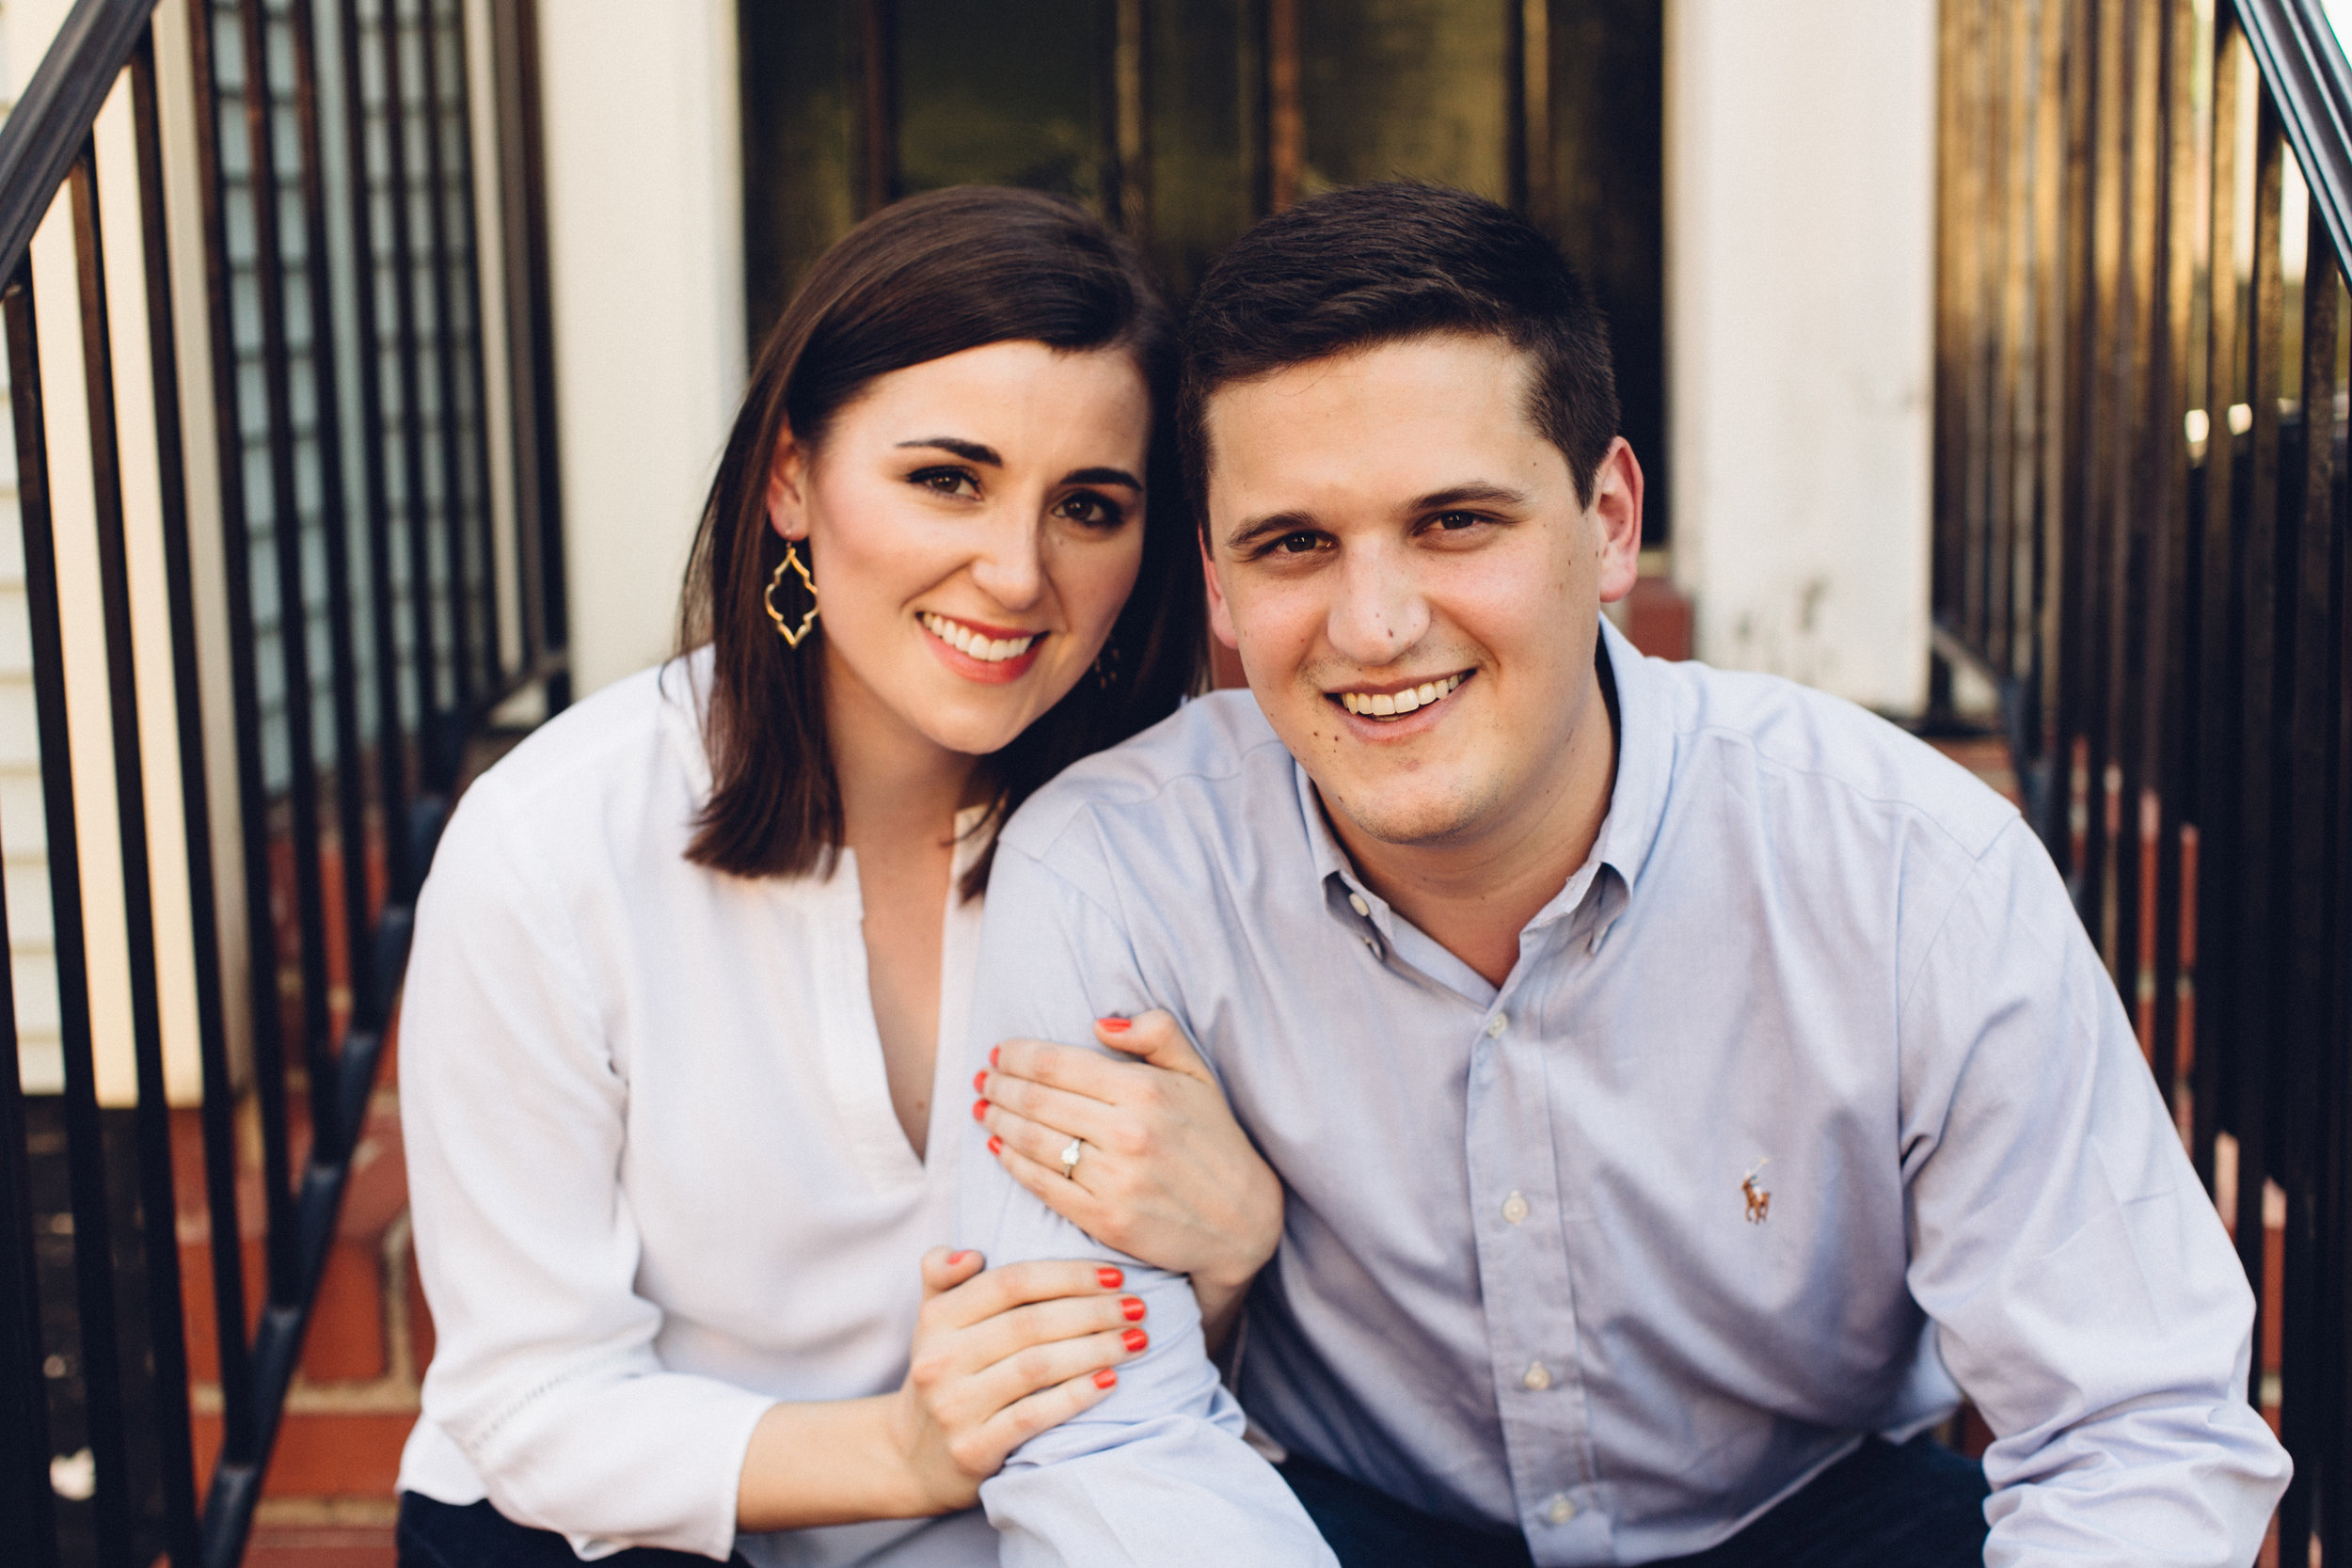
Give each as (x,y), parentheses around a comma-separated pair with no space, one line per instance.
(1107,666)
(791,560)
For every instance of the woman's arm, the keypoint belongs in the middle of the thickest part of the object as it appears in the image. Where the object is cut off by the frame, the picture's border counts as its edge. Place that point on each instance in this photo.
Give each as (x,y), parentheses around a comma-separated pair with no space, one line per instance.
(546,1377)
(1166,1175)
(997,1358)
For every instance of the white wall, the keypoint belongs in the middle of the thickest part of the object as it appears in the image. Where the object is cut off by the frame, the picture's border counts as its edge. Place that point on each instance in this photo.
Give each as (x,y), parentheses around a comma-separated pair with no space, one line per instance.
(1799,271)
(645,211)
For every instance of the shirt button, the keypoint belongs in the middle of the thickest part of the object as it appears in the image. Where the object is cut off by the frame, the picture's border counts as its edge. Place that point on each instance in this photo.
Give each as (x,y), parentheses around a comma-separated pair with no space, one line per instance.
(1497,1024)
(1515,1209)
(1561,1509)
(1538,1378)
(1355,902)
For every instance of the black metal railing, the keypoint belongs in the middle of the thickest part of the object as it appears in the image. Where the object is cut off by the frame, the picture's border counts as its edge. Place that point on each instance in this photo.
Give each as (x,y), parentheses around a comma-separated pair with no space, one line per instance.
(359,558)
(2144,532)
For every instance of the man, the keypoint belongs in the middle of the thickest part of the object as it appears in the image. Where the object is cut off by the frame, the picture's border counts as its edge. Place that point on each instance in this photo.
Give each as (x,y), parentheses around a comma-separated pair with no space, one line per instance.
(1679,1079)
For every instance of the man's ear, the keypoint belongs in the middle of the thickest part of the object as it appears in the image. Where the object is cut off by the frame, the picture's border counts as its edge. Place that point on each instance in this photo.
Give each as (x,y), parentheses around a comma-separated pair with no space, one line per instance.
(1617,509)
(1220,613)
(787,487)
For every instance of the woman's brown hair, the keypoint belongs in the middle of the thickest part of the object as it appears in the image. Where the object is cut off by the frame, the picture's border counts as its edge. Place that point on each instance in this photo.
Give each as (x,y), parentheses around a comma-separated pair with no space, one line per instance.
(930,276)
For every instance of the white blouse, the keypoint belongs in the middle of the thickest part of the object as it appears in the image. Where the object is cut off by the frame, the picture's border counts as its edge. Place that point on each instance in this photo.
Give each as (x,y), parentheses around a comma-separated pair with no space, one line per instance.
(655,1177)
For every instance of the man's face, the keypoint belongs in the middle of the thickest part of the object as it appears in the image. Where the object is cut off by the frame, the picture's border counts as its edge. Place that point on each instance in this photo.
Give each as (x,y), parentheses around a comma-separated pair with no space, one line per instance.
(1401,561)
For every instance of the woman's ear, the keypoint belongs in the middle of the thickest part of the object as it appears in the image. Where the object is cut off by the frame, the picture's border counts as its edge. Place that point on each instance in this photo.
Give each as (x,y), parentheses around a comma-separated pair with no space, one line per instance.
(788,488)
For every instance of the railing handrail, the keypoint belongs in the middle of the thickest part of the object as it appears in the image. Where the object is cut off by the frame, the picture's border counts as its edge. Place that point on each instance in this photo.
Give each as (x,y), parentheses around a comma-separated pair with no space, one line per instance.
(2295,46)
(369,730)
(44,133)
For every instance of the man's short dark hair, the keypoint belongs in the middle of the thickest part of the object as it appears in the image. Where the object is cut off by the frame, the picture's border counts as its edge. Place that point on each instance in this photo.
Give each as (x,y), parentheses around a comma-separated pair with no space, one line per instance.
(1376,265)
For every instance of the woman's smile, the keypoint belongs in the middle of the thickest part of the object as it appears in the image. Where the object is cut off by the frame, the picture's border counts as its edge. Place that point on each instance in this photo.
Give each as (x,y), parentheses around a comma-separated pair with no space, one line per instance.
(979,651)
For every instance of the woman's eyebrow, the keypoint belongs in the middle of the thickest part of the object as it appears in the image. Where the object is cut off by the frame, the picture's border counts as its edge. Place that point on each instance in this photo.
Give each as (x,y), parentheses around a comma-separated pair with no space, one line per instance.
(970,450)
(1103,476)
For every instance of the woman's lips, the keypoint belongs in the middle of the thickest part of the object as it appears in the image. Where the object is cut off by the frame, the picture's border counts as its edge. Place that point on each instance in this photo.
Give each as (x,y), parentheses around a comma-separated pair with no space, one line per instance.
(990,654)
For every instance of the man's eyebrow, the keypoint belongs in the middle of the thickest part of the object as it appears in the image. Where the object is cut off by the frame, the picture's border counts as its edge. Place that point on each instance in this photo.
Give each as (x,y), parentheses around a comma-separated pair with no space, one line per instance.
(1470,493)
(1273,525)
(1103,476)
(970,450)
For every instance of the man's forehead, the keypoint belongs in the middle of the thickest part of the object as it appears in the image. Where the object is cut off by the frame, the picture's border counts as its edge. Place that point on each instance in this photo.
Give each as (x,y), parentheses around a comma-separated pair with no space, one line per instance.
(1363,364)
(1403,418)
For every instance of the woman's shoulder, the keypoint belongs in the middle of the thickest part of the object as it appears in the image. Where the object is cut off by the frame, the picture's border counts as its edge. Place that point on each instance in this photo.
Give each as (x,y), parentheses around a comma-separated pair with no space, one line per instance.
(607,740)
(625,765)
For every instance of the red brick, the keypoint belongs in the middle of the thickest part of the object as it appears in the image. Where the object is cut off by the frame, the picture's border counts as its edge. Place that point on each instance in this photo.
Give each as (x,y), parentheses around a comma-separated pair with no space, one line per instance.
(325,1453)
(1225,667)
(321,1546)
(420,1317)
(1657,618)
(346,1341)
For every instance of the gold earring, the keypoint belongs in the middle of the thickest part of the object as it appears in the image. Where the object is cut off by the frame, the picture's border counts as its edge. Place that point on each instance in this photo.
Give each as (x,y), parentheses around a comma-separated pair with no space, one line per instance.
(791,559)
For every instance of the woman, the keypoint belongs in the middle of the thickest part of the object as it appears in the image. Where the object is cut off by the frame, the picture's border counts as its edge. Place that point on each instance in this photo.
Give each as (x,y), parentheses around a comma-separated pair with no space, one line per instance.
(684,1018)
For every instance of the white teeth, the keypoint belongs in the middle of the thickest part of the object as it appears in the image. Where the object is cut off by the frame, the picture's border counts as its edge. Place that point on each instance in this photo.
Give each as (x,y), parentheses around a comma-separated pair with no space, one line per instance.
(1383,704)
(965,641)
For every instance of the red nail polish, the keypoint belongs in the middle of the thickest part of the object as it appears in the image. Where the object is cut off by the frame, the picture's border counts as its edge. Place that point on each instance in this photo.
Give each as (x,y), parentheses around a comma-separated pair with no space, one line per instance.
(995,1145)
(1110,1280)
(1105,1378)
(1133,1308)
(1135,1338)
(994,1052)
(979,1081)
(979,1110)
(1114,1026)
(955,1260)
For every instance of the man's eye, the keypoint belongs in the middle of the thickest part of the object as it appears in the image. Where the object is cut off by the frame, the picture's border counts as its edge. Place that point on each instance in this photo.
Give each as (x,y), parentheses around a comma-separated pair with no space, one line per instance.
(1296,544)
(1451,521)
(945,482)
(1091,511)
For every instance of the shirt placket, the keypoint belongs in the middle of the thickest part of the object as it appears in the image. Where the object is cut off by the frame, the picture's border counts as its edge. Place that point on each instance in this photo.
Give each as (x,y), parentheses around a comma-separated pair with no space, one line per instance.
(1527,1291)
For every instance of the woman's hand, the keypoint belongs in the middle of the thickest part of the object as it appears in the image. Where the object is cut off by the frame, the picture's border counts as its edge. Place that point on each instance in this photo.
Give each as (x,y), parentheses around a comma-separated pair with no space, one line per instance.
(997,1358)
(1000,1356)
(1166,1174)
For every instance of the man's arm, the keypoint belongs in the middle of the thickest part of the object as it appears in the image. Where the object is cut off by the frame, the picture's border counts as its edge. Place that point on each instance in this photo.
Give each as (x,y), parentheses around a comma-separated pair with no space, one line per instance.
(1157,1473)
(2086,1296)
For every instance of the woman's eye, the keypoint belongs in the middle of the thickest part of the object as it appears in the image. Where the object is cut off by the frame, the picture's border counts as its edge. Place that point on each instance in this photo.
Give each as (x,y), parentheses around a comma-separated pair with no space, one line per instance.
(1089,510)
(945,482)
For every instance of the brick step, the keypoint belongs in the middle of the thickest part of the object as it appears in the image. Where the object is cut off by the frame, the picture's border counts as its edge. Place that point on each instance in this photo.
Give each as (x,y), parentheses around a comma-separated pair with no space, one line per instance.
(328,1498)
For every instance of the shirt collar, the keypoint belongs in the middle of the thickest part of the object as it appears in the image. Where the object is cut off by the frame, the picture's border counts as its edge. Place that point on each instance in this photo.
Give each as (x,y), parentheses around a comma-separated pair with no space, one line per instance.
(1637,801)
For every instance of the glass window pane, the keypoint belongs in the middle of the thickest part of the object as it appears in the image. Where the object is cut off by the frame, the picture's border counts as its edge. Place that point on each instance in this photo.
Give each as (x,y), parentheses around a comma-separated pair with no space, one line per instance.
(1417,89)
(1011,93)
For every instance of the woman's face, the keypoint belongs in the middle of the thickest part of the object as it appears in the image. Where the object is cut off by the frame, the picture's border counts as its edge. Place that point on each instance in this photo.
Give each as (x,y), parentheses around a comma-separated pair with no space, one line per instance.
(975,525)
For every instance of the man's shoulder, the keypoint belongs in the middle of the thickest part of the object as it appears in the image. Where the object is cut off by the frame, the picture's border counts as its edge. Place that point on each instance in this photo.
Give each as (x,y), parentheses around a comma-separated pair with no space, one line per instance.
(1199,765)
(1831,753)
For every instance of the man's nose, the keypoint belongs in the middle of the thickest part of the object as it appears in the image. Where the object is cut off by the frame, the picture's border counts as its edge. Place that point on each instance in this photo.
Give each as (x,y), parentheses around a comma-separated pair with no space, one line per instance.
(1011,566)
(1379,613)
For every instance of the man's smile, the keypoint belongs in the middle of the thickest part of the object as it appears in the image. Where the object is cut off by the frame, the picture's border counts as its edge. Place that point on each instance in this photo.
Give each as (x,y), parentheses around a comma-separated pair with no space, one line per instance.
(1397,701)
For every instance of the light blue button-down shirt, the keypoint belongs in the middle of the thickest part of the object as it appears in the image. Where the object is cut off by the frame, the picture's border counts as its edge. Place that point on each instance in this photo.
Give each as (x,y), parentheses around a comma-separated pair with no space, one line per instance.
(1806,1097)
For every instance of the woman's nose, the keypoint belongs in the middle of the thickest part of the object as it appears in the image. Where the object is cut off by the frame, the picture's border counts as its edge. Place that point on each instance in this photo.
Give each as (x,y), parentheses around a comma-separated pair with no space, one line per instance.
(1010,569)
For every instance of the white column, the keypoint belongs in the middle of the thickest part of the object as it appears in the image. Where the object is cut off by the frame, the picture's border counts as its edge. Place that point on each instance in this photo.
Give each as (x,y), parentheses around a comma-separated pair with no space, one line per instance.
(645,211)
(1800,273)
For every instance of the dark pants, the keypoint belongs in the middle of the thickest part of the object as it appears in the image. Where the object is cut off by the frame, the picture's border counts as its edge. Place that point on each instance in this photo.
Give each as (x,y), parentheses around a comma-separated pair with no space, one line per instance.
(446,1535)
(1916,1506)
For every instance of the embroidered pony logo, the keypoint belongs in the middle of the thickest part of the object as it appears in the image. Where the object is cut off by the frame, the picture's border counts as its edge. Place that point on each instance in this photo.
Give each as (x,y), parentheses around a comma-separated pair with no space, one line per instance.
(1760,1201)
